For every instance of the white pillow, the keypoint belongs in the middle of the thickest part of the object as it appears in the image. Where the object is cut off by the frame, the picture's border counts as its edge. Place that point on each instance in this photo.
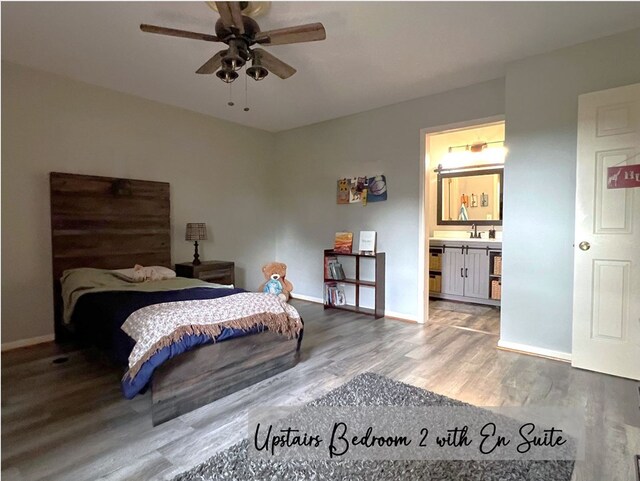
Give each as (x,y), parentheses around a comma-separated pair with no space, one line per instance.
(130,274)
(150,273)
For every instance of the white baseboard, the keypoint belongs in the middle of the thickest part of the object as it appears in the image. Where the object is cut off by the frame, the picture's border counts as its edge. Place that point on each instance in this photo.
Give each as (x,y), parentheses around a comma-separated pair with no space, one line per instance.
(400,315)
(302,297)
(387,313)
(537,351)
(32,341)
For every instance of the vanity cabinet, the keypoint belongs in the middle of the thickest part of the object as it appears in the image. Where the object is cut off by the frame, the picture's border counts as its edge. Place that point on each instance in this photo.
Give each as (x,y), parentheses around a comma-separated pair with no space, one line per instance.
(466,271)
(452,272)
(476,274)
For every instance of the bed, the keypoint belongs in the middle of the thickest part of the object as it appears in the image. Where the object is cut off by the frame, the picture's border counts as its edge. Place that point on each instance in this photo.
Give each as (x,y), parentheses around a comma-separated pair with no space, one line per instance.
(106,223)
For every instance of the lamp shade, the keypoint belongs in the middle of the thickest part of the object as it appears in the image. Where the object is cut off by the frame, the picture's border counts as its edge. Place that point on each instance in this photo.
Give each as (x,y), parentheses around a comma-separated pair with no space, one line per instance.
(196,231)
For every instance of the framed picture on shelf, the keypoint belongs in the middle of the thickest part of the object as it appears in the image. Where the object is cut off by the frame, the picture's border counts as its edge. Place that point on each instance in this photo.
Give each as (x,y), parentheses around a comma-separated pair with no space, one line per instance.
(367,244)
(343,242)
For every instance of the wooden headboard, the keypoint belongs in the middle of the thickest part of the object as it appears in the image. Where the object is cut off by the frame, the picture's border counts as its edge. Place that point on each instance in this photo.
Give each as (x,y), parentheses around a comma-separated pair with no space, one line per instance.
(106,223)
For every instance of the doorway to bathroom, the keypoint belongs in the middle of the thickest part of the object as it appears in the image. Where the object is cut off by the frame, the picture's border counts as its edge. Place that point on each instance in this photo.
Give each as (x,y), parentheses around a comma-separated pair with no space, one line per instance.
(462,220)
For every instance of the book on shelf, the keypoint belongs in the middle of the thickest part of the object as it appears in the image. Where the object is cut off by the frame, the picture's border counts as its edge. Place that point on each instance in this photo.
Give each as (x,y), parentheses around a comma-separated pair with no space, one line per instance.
(336,271)
(333,269)
(334,294)
(341,298)
(343,242)
(328,260)
(367,242)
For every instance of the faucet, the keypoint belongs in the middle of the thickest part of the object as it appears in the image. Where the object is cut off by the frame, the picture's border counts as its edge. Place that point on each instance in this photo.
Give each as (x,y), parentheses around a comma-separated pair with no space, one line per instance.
(475,234)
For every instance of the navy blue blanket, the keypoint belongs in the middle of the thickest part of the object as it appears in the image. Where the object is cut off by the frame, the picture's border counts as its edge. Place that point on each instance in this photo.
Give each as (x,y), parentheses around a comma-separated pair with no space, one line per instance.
(97,319)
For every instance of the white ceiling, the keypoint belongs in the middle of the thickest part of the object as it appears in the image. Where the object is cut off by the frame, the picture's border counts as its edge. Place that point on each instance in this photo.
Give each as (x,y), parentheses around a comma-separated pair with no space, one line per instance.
(376,53)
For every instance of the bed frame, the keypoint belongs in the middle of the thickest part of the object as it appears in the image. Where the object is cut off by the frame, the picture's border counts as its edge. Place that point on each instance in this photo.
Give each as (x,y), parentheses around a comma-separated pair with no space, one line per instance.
(112,223)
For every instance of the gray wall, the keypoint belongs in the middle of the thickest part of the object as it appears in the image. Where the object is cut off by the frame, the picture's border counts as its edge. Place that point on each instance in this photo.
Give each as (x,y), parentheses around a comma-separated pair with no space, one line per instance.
(220,173)
(386,140)
(227,175)
(540,104)
(539,203)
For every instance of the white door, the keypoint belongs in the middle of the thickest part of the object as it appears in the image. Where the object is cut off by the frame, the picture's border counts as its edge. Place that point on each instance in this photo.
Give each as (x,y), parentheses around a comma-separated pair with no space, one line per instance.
(476,274)
(606,298)
(453,271)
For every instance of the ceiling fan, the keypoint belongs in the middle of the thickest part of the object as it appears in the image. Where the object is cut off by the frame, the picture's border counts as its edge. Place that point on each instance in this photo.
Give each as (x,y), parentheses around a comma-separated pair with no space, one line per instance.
(240,33)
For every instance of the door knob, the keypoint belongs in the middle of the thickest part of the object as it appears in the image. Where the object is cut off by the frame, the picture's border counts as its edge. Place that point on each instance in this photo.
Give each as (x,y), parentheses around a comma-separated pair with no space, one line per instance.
(584,245)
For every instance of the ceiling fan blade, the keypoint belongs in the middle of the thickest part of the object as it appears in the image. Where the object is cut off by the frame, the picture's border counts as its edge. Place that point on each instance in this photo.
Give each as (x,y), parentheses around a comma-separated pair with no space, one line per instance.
(300,33)
(174,32)
(225,14)
(213,64)
(274,64)
(236,14)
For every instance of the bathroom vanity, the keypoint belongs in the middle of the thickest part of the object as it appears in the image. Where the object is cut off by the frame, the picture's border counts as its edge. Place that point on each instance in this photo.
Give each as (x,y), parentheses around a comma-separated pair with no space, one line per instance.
(465,264)
(462,269)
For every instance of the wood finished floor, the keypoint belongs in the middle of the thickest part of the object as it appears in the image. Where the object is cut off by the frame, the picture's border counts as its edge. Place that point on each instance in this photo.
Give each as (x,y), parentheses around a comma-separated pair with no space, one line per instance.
(69,421)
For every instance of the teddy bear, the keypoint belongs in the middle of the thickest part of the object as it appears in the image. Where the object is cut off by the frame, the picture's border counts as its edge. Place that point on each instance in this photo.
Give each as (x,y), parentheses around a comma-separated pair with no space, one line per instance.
(275,282)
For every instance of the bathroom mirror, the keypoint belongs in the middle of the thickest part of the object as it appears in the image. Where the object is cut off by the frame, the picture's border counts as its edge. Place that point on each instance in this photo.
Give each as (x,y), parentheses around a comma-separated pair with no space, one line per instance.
(470,197)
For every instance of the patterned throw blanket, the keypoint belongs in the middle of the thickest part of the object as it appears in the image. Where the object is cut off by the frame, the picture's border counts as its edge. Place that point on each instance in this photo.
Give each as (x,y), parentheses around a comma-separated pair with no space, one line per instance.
(160,325)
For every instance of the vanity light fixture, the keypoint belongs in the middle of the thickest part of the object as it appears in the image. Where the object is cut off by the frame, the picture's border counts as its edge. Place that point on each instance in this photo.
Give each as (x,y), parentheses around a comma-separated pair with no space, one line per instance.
(475,147)
(467,168)
(479,152)
(478,146)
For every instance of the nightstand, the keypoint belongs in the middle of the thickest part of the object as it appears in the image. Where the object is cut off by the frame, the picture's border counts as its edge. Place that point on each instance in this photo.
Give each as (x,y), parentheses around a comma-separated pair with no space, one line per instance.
(220,272)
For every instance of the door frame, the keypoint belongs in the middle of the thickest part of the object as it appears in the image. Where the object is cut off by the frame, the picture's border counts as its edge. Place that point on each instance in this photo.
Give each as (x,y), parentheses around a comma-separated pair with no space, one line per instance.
(424,223)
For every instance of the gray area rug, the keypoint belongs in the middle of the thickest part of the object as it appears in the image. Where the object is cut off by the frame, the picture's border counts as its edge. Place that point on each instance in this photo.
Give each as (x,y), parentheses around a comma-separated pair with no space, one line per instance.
(370,389)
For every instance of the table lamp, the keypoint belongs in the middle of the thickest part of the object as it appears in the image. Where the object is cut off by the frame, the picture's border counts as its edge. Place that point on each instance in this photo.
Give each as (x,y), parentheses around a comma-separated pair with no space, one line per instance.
(196,231)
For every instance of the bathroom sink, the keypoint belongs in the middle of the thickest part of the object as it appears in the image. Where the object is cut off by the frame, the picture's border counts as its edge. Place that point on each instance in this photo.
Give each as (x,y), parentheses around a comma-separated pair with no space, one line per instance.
(463,239)
(457,236)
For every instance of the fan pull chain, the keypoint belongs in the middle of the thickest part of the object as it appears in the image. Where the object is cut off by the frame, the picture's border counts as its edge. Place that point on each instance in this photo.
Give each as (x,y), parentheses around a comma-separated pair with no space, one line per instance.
(246,93)
(230,102)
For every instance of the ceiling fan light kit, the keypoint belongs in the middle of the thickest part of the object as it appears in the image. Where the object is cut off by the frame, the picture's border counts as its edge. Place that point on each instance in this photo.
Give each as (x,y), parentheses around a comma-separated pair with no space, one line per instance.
(257,71)
(241,32)
(227,75)
(236,56)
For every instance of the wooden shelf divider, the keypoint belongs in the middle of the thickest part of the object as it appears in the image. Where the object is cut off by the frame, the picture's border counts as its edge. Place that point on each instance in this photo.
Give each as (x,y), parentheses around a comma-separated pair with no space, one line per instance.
(377,284)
